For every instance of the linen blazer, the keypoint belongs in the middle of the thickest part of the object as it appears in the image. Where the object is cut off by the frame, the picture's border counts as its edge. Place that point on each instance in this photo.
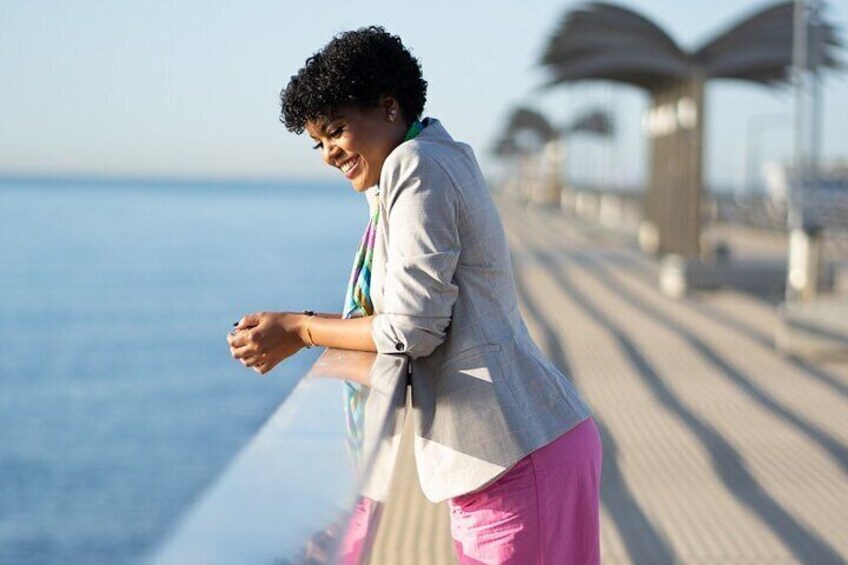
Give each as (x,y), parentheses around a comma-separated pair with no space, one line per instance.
(442,286)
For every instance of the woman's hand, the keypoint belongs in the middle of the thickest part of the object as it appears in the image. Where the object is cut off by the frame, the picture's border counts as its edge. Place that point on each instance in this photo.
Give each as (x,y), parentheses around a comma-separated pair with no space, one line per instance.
(263,339)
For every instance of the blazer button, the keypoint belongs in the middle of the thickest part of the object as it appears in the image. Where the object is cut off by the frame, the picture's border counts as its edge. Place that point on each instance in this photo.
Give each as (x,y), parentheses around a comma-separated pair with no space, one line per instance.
(399,346)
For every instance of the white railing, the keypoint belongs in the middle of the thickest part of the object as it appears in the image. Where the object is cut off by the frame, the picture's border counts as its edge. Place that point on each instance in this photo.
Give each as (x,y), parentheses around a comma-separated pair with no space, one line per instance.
(287,497)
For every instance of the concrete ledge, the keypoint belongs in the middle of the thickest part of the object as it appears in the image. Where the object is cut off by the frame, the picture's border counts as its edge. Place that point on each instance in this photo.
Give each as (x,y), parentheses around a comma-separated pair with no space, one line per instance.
(817,330)
(678,276)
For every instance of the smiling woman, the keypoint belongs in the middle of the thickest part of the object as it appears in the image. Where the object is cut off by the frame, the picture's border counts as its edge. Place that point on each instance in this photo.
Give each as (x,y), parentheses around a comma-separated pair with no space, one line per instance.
(356,98)
(358,141)
(500,433)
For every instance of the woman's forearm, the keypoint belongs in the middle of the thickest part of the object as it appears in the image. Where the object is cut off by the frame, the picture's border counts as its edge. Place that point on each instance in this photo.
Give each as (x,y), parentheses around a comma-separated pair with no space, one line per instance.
(349,333)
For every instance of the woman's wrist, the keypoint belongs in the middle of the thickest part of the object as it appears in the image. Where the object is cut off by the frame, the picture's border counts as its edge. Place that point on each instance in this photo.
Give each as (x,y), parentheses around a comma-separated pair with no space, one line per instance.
(330,315)
(304,320)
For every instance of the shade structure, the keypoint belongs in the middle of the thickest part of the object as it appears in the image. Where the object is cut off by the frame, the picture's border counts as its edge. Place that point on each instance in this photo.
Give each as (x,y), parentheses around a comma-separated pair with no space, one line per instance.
(526,122)
(595,122)
(602,41)
(537,144)
(759,48)
(506,147)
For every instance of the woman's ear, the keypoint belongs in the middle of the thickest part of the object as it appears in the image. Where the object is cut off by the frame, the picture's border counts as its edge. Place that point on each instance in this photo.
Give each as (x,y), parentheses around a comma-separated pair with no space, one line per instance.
(391,107)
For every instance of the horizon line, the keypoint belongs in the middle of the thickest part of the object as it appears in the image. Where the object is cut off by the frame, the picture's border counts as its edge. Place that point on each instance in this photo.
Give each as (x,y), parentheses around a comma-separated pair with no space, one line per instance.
(94,177)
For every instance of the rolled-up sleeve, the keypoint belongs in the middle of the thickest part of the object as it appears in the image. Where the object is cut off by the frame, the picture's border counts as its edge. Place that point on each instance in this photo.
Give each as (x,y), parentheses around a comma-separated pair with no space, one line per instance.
(421,207)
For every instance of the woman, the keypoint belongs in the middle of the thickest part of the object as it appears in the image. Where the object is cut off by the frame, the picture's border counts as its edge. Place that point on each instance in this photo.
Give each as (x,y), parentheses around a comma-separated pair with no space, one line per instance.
(500,433)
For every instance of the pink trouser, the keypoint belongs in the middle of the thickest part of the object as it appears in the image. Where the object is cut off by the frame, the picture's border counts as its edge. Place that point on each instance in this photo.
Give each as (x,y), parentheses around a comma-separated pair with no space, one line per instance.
(544,510)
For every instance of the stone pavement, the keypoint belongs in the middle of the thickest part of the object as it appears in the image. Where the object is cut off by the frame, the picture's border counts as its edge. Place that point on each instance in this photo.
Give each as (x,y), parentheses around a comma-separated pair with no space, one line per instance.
(716,449)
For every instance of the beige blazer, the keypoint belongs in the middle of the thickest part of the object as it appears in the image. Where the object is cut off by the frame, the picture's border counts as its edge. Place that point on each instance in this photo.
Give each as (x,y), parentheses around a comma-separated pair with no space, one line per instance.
(483,394)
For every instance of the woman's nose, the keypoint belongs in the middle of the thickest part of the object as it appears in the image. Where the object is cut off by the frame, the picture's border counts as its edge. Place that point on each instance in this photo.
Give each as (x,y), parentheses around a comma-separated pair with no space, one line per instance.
(330,153)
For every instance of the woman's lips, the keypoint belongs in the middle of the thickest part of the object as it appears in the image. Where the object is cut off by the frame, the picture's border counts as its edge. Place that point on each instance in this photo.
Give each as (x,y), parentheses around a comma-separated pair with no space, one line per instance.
(351,172)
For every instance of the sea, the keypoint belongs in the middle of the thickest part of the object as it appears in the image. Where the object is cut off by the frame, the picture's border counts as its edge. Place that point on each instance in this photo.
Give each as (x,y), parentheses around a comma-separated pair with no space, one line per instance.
(119,400)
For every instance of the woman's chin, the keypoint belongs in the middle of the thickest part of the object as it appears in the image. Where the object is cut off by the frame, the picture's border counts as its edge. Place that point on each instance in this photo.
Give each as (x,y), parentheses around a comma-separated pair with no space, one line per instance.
(360,186)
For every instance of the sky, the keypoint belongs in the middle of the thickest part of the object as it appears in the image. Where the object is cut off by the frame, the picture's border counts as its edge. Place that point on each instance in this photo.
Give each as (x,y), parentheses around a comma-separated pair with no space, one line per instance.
(191,89)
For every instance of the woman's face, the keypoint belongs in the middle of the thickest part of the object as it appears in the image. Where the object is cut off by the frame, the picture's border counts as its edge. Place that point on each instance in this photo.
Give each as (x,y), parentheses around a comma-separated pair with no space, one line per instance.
(357,141)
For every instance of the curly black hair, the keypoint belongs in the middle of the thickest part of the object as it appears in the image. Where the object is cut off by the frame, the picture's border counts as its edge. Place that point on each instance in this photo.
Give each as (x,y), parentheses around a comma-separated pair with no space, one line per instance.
(355,68)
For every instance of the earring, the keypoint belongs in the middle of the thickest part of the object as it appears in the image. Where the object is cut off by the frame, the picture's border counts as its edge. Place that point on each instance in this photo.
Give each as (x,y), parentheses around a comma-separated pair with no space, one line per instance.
(392,116)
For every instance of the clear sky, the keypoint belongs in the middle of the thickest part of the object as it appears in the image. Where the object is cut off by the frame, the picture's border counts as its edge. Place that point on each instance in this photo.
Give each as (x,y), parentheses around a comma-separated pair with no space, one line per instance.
(191,88)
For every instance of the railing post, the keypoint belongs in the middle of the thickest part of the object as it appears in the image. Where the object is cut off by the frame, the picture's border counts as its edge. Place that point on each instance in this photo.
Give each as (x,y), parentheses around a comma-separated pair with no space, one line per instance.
(805,260)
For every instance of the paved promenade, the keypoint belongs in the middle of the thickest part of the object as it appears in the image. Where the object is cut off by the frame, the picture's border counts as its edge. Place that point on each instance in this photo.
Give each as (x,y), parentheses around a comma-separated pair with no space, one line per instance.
(716,449)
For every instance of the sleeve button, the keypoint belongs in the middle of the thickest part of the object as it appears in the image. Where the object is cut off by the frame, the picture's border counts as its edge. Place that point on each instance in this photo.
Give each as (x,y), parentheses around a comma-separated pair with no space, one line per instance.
(399,346)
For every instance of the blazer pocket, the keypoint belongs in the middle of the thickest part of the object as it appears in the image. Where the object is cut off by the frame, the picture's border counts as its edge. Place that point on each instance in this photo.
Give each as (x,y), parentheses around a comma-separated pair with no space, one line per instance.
(467,353)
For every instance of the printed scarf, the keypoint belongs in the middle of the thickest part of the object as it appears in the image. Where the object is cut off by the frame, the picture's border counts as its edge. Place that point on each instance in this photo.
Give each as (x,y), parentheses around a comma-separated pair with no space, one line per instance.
(358,303)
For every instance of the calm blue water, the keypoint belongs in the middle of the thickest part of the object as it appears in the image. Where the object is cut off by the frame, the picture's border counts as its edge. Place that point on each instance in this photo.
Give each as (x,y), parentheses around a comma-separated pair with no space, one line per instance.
(119,401)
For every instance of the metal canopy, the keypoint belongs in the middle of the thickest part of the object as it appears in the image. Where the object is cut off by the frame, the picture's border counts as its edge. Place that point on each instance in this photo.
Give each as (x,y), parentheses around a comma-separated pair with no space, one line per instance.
(528,130)
(525,119)
(596,122)
(600,41)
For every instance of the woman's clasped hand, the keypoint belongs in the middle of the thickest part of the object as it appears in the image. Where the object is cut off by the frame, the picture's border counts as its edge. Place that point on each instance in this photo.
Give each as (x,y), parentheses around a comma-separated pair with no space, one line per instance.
(263,339)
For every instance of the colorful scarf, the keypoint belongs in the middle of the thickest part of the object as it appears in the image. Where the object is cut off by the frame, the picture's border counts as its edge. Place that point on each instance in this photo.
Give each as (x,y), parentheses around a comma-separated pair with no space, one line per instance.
(358,303)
